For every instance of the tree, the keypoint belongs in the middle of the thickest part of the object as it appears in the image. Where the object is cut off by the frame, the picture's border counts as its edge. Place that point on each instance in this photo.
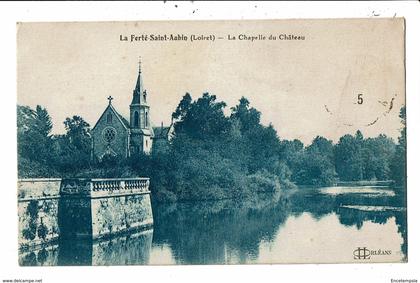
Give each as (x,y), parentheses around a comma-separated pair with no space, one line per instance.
(202,119)
(183,106)
(348,157)
(248,117)
(78,132)
(317,164)
(316,170)
(221,156)
(259,144)
(34,128)
(322,146)
(402,139)
(43,122)
(34,142)
(25,118)
(264,146)
(399,161)
(377,156)
(25,124)
(292,152)
(72,150)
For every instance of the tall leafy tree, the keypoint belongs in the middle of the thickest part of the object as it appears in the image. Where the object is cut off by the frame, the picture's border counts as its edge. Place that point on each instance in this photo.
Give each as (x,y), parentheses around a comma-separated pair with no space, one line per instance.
(43,123)
(317,167)
(377,156)
(74,148)
(263,145)
(34,142)
(34,133)
(182,108)
(348,157)
(260,144)
(292,153)
(322,146)
(399,161)
(248,117)
(25,125)
(78,132)
(202,119)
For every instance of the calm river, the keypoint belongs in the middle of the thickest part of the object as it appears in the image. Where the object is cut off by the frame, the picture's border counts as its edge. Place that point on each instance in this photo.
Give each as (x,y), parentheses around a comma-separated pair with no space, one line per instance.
(323,225)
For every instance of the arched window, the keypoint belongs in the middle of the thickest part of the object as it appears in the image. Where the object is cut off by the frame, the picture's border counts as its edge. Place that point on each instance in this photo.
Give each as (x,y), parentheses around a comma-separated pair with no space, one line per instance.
(147,120)
(136,119)
(142,119)
(109,118)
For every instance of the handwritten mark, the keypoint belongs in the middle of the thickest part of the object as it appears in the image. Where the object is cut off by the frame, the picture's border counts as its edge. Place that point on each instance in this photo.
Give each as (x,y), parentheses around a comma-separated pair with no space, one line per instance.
(388,104)
(375,14)
(391,105)
(385,104)
(328,110)
(371,123)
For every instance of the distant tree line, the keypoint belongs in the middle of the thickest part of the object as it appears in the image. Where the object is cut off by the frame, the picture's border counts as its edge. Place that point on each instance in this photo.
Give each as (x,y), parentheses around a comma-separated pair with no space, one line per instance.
(211,155)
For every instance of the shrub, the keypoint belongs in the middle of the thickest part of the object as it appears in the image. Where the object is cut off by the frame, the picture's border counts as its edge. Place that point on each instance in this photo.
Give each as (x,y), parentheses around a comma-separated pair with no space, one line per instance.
(263,181)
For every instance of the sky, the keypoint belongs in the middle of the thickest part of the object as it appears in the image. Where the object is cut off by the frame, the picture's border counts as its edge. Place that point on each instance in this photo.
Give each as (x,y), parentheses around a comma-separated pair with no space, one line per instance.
(304,88)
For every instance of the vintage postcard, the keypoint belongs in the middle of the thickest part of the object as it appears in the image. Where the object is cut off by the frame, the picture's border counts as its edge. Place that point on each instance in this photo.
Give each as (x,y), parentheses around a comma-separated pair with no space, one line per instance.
(211,142)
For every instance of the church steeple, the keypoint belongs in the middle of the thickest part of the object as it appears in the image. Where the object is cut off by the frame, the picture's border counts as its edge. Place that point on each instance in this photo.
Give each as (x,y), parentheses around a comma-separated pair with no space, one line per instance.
(139,93)
(139,108)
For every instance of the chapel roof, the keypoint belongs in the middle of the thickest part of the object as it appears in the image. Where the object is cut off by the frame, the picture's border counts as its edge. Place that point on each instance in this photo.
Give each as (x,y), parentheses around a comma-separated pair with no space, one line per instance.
(125,121)
(161,132)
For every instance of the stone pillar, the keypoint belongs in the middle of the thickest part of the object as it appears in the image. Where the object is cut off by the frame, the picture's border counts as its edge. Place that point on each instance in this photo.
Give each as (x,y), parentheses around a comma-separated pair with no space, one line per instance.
(96,208)
(75,216)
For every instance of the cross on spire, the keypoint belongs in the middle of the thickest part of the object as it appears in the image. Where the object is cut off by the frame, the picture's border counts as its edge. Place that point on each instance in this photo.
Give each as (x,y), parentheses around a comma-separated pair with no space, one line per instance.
(110,98)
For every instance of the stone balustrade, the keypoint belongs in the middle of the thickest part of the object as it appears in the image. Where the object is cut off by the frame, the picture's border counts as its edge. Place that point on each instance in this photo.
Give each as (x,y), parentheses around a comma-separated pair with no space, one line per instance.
(105,187)
(131,184)
(93,208)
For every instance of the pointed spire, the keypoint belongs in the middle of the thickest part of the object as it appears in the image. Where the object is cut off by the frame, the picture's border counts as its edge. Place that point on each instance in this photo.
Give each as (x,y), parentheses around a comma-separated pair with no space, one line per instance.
(139,84)
(138,90)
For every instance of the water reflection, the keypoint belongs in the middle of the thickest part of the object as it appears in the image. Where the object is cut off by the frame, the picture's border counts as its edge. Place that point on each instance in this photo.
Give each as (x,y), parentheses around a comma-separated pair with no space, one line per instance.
(372,191)
(311,225)
(127,250)
(304,239)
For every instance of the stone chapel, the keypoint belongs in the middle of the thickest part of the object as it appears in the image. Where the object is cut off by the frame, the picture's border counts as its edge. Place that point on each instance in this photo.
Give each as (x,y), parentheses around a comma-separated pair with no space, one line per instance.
(117,136)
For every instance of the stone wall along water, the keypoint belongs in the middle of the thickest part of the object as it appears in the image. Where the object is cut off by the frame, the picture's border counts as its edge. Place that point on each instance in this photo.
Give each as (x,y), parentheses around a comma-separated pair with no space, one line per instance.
(96,208)
(81,208)
(38,211)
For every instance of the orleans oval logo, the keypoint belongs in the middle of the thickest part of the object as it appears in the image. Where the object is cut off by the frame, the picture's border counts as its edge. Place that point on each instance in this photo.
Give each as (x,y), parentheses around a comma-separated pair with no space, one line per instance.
(361,253)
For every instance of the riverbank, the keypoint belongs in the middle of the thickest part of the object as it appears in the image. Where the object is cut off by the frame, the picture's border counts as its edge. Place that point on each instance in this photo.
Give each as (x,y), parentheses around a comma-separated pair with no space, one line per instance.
(261,230)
